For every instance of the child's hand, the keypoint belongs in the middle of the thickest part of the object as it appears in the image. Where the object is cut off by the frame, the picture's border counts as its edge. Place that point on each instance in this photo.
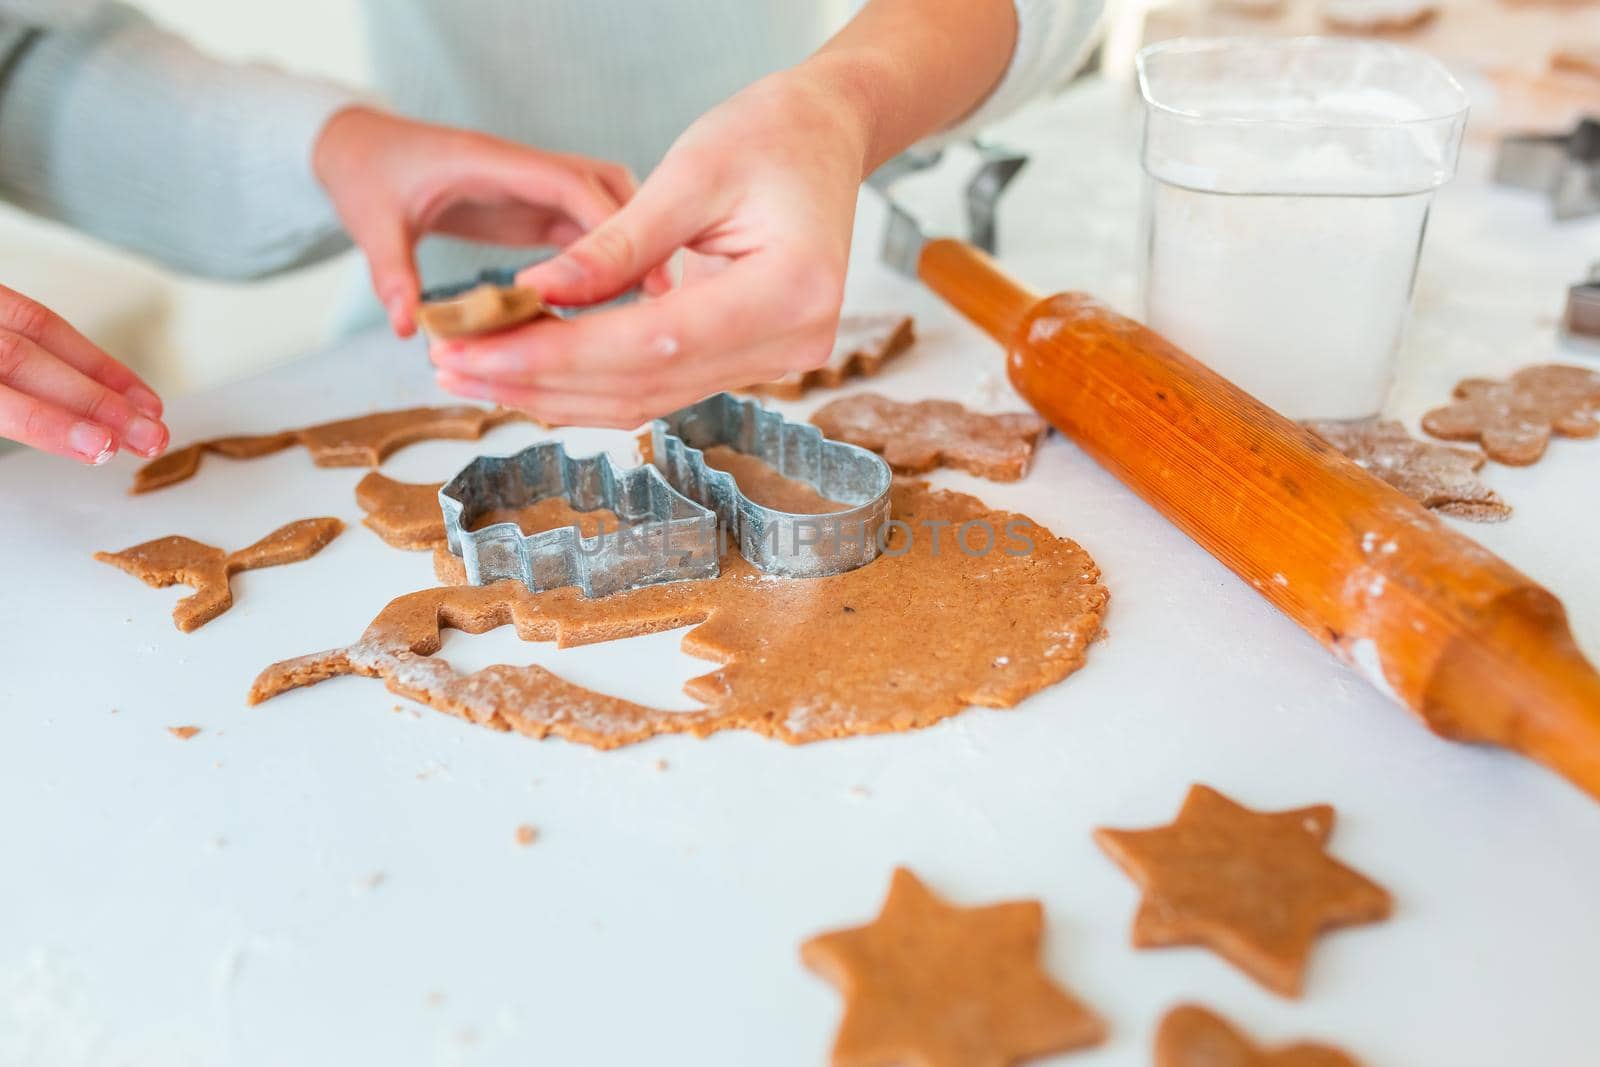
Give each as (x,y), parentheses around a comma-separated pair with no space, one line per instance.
(392,180)
(761,191)
(62,394)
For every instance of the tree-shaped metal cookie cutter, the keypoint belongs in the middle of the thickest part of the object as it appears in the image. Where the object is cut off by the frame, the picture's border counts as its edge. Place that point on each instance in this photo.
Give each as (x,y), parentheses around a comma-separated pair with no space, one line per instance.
(778,542)
(663,536)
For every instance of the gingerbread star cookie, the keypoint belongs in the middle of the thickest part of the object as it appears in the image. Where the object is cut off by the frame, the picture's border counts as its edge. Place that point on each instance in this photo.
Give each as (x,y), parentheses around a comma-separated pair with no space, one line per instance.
(862,346)
(1254,887)
(364,441)
(930,984)
(1191,1036)
(919,437)
(1513,419)
(180,560)
(1436,476)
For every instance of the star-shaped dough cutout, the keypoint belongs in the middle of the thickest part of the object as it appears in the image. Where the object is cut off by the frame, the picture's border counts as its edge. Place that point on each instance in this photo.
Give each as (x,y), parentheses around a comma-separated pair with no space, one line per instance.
(1191,1036)
(930,984)
(1254,887)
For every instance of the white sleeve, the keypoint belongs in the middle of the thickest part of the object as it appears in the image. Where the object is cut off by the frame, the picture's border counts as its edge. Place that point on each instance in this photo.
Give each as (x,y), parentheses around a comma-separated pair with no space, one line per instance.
(1054,38)
(116,127)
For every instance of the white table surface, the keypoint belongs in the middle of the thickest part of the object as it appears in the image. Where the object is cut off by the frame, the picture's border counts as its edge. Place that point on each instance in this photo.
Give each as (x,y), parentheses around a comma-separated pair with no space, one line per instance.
(322,880)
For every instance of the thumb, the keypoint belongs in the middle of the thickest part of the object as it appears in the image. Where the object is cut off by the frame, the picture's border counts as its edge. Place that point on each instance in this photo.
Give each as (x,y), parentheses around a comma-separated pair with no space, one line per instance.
(387,245)
(615,256)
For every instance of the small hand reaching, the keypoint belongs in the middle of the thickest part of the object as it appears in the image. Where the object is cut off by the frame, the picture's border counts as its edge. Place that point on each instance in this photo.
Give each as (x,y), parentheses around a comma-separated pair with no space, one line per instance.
(60,393)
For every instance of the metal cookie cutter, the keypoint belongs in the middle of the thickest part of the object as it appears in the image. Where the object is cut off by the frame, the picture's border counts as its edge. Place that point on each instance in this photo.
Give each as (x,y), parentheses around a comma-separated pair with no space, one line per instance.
(904,237)
(778,542)
(664,536)
(1582,320)
(1564,167)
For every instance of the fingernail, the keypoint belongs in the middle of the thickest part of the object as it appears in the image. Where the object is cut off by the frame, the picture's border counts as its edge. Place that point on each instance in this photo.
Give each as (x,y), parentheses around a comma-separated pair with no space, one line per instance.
(145,437)
(399,315)
(144,400)
(90,442)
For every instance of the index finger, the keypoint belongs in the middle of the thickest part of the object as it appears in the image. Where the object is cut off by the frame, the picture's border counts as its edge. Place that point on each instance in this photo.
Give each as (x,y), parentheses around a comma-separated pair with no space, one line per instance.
(55,334)
(755,299)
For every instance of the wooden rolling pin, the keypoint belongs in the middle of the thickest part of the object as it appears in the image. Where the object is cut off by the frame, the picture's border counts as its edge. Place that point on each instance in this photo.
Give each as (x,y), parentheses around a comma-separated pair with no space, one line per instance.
(1479,650)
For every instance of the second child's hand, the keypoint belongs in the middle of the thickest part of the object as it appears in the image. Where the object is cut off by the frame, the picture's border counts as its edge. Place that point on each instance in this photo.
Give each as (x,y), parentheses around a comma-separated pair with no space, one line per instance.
(393,180)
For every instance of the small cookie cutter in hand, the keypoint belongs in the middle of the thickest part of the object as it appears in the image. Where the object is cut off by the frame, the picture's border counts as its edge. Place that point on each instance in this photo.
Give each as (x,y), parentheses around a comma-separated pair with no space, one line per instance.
(494,301)
(491,301)
(664,537)
(777,542)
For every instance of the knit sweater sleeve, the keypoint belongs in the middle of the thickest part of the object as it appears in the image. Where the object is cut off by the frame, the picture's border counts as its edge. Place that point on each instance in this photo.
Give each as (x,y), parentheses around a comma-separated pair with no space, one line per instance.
(116,127)
(1054,38)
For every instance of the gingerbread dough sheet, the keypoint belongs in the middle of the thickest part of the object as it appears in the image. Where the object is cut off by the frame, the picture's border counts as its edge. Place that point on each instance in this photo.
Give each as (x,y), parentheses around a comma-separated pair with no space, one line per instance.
(870,651)
(363,441)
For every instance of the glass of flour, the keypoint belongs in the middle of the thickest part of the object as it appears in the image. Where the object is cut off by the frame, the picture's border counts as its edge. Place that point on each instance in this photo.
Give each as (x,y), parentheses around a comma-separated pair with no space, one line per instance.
(1287,191)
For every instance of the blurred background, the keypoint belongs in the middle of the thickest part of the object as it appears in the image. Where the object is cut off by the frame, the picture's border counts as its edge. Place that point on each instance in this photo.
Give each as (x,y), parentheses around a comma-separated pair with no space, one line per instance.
(1528,65)
(184,334)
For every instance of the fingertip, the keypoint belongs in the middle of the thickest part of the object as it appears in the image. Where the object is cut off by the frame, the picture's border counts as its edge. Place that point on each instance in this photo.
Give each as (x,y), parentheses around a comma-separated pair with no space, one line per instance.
(402,315)
(90,443)
(147,402)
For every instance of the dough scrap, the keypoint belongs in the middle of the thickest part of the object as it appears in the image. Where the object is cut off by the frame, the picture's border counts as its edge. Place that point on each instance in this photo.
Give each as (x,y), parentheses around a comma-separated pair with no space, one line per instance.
(206,569)
(1436,476)
(1254,887)
(481,309)
(862,346)
(919,437)
(1513,419)
(937,985)
(363,441)
(1191,1036)
(912,638)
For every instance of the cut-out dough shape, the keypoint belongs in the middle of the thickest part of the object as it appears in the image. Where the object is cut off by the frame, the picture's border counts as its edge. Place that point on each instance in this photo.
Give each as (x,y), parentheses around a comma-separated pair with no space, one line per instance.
(1440,477)
(930,433)
(364,441)
(912,638)
(1191,1036)
(862,346)
(935,985)
(182,561)
(1513,419)
(1254,887)
(405,514)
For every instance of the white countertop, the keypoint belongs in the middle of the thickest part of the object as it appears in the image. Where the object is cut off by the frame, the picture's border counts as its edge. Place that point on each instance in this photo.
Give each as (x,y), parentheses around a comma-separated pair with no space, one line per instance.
(323,880)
